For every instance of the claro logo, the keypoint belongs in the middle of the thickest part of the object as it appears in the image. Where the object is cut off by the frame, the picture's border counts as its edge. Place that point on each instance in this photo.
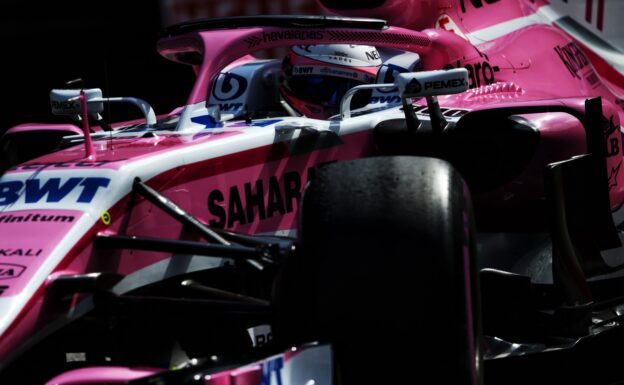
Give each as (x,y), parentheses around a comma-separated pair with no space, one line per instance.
(51,190)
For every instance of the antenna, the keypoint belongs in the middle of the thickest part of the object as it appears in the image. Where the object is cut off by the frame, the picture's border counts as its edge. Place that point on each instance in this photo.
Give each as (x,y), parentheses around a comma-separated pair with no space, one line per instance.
(108,111)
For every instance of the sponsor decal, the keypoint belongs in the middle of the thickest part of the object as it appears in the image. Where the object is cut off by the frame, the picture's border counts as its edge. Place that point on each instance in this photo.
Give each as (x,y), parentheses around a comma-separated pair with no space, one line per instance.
(610,127)
(3,288)
(50,190)
(20,252)
(613,175)
(106,218)
(338,72)
(65,105)
(253,41)
(227,107)
(299,70)
(613,144)
(481,73)
(261,335)
(338,57)
(384,99)
(11,218)
(263,340)
(229,86)
(333,71)
(363,59)
(9,270)
(593,79)
(373,55)
(573,58)
(62,165)
(281,198)
(259,200)
(413,87)
(292,35)
(475,3)
(442,84)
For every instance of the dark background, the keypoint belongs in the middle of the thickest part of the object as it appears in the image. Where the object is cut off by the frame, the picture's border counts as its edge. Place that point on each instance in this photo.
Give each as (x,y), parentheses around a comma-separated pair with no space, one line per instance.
(109,44)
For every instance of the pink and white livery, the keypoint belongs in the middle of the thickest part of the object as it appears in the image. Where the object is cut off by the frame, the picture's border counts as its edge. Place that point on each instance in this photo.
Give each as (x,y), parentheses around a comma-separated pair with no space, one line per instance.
(467,215)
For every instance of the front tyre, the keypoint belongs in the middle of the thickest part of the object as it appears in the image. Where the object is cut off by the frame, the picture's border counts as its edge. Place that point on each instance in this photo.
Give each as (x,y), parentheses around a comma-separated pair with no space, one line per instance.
(386,272)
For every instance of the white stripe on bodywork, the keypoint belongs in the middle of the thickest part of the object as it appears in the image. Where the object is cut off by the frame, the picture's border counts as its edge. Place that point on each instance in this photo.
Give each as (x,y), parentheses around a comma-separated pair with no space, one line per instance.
(544,15)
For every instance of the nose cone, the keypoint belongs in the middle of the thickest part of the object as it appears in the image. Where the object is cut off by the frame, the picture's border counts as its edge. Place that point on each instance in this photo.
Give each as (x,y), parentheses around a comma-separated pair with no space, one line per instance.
(32,243)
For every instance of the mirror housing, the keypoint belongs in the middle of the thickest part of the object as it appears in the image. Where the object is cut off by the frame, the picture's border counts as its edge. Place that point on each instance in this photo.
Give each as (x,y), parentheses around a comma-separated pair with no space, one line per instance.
(432,83)
(415,85)
(67,101)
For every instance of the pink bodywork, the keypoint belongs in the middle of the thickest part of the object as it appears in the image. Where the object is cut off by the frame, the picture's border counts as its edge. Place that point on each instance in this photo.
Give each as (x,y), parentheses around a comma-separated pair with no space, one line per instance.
(30,250)
(30,127)
(523,67)
(102,375)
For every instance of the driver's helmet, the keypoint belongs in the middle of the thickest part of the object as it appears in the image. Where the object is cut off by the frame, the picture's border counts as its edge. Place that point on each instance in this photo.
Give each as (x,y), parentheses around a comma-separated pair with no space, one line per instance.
(316,77)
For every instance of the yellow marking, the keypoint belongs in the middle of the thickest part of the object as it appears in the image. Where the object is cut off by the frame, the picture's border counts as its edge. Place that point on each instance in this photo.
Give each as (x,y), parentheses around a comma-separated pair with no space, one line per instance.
(106,218)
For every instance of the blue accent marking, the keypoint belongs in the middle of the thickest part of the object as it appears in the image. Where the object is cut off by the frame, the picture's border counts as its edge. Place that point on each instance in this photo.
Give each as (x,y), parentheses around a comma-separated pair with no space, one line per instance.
(261,123)
(274,365)
(206,120)
(52,190)
(52,187)
(90,187)
(209,122)
(9,192)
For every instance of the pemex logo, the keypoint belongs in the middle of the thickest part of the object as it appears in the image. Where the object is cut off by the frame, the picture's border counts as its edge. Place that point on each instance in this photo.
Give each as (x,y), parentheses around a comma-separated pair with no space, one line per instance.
(413,87)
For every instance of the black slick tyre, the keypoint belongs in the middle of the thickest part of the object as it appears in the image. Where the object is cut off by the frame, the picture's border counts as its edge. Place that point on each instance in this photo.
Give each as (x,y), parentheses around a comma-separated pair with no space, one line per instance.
(386,272)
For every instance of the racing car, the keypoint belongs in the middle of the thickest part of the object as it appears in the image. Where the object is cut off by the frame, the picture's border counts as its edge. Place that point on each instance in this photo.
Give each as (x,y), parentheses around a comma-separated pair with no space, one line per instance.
(461,225)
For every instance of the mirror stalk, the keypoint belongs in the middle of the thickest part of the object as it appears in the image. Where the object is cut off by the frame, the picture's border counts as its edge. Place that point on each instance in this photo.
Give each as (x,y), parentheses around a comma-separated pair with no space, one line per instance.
(438,123)
(410,116)
(90,151)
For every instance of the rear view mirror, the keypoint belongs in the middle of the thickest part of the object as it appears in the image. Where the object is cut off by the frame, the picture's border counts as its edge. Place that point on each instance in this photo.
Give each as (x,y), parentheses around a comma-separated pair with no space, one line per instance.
(415,85)
(67,102)
(432,83)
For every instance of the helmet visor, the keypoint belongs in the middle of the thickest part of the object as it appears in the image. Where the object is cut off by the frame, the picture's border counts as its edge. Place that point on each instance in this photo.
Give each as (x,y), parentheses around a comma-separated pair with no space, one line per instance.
(326,90)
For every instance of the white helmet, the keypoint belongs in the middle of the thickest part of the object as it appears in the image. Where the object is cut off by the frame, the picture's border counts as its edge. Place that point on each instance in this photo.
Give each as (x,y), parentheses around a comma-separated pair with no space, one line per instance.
(316,77)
